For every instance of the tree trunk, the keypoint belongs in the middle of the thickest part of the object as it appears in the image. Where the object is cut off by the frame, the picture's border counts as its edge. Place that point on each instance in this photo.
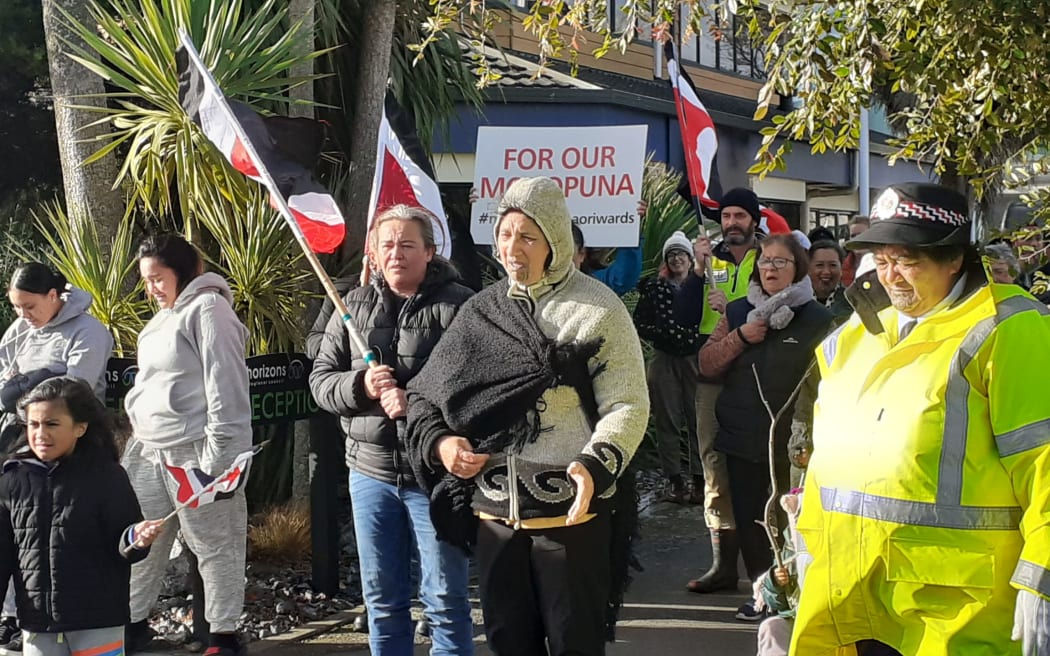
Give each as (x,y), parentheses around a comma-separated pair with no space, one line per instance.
(374,51)
(302,11)
(88,189)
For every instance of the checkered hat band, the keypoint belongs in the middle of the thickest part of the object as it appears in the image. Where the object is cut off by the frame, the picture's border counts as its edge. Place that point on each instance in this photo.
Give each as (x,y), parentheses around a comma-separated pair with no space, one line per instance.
(909,209)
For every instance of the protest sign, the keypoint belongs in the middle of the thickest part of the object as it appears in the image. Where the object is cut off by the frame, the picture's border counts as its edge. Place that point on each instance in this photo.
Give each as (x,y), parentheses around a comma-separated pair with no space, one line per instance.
(598,168)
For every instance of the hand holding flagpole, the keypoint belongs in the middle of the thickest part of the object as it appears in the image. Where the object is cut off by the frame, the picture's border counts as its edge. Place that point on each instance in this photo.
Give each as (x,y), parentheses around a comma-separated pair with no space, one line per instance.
(219,487)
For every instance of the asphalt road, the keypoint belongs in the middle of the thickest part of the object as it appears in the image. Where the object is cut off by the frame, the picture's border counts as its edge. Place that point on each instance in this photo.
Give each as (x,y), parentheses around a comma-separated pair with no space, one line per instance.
(659,618)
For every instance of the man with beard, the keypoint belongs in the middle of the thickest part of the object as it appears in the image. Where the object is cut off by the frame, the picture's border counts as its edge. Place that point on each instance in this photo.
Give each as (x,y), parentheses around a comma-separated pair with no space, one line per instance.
(700,302)
(927,505)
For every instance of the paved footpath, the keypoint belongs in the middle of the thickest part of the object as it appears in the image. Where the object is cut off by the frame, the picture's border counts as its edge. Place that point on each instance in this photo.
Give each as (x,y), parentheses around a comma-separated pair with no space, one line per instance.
(658,615)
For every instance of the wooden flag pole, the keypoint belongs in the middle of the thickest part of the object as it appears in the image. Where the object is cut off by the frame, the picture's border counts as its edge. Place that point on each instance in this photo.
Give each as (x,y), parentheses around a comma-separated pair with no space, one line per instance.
(282,206)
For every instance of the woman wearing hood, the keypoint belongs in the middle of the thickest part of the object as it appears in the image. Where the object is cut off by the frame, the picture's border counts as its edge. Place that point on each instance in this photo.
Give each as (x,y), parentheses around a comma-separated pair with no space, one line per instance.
(52,336)
(189,407)
(521,423)
(773,330)
(402,314)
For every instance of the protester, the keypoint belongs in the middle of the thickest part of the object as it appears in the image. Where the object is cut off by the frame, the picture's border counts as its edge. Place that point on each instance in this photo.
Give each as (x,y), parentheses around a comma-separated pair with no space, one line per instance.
(1003,267)
(527,414)
(189,407)
(672,369)
(825,272)
(851,263)
(701,302)
(70,525)
(401,315)
(770,333)
(778,589)
(53,335)
(928,494)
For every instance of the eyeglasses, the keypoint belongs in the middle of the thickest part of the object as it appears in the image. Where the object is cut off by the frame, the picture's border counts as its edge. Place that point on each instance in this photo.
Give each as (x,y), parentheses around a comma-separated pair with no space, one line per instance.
(774,262)
(676,255)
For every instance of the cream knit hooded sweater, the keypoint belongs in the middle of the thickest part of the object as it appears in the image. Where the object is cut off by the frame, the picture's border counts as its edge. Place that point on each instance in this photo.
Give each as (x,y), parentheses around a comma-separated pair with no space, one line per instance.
(571,306)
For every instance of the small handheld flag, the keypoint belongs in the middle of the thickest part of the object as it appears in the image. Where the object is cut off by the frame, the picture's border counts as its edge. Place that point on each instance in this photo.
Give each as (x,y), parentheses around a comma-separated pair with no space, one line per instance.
(197,488)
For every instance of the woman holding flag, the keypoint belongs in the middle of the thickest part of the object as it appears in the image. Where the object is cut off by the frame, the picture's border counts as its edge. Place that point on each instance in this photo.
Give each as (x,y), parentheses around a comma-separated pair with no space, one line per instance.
(401,315)
(189,409)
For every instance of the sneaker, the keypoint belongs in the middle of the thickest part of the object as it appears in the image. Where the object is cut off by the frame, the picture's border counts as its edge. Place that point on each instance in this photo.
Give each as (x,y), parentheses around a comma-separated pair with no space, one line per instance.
(8,630)
(224,651)
(676,491)
(13,646)
(747,613)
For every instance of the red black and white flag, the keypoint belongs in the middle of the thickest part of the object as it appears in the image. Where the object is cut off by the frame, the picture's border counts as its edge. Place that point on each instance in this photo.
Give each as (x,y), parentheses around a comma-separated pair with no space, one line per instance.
(197,488)
(699,138)
(404,175)
(275,151)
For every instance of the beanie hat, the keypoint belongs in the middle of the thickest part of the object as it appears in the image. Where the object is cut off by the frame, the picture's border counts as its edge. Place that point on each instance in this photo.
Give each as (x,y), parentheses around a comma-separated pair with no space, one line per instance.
(920,215)
(741,197)
(801,238)
(680,241)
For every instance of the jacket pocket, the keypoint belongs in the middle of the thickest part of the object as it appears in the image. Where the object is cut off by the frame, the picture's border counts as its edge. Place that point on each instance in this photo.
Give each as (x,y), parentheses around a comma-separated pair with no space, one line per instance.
(939,564)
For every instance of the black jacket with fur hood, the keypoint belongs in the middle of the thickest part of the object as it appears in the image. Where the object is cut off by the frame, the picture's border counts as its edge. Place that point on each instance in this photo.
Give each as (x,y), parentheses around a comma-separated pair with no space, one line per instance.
(62,527)
(402,332)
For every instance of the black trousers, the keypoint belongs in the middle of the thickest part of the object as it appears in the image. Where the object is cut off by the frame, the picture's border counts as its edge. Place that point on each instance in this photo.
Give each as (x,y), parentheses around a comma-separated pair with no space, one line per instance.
(544,588)
(749,489)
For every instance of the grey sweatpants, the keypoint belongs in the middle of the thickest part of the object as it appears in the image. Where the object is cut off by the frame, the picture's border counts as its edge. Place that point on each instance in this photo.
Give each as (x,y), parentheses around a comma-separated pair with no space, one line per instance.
(108,641)
(215,533)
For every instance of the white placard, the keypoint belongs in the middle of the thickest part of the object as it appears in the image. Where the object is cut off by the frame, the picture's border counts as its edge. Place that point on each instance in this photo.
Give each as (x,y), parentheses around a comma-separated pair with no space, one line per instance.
(598,168)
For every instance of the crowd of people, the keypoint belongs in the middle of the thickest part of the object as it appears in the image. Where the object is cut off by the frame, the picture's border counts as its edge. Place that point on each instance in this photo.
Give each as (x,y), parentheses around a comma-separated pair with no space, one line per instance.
(844,414)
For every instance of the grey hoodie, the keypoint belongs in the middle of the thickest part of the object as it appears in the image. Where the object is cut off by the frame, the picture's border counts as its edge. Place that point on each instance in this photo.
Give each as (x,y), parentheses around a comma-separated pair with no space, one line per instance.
(73,343)
(192,382)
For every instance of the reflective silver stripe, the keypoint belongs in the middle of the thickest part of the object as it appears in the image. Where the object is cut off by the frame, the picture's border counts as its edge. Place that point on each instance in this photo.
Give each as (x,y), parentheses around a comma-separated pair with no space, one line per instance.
(1024,438)
(831,345)
(1032,576)
(919,513)
(956,396)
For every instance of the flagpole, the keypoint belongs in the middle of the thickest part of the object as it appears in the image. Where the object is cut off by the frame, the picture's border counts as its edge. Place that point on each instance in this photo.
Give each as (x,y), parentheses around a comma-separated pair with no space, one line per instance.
(282,206)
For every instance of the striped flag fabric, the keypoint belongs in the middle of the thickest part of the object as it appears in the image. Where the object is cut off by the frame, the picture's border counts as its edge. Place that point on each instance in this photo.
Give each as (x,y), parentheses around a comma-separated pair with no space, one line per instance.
(404,174)
(699,138)
(274,151)
(196,488)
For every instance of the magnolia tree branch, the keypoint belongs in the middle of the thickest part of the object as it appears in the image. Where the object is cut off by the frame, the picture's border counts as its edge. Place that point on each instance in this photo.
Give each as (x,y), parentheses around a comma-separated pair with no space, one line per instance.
(770,524)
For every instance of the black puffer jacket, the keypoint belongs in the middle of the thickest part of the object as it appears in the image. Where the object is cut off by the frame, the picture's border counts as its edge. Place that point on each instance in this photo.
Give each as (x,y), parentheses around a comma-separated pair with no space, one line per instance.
(402,332)
(61,532)
(781,359)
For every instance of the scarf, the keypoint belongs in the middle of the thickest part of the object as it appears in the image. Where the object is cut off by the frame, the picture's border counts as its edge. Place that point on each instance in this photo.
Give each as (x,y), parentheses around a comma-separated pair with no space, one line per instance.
(776,309)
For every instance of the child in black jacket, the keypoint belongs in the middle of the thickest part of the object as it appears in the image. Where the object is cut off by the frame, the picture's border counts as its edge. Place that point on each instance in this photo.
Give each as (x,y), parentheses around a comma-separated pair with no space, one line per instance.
(70,525)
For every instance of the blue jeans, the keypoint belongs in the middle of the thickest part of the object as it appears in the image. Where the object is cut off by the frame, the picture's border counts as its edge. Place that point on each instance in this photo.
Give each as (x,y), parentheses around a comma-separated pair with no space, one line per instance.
(387,520)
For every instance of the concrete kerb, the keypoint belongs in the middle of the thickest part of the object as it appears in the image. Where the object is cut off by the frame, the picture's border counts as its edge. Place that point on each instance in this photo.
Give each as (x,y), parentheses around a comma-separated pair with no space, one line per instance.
(307,631)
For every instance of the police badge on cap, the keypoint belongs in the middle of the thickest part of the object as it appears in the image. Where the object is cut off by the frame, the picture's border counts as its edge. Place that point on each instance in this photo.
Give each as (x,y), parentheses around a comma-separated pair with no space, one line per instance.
(920,215)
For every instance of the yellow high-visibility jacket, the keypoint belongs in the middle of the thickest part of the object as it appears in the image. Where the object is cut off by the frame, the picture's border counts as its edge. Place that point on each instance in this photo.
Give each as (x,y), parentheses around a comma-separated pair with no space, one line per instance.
(928,494)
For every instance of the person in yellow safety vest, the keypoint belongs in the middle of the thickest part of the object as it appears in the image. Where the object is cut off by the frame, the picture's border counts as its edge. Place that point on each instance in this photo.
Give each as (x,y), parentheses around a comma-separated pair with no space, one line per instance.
(701,303)
(927,506)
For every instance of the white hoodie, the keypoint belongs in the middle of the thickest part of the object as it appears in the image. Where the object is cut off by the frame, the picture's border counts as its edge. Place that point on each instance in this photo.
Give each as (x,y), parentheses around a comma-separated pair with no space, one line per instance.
(192,382)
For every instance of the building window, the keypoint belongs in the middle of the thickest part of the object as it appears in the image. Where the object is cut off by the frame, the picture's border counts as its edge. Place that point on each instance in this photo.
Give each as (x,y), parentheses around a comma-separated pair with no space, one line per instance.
(835,221)
(724,47)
